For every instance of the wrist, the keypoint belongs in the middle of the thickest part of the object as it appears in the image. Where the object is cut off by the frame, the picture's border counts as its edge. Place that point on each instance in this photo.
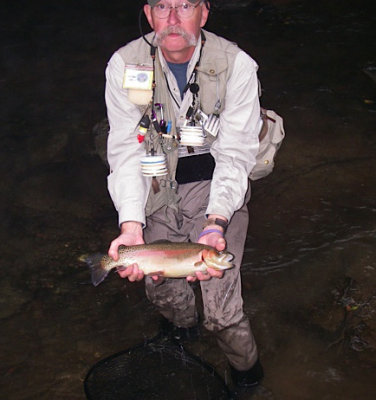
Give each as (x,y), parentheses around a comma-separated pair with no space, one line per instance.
(216,223)
(206,231)
(131,227)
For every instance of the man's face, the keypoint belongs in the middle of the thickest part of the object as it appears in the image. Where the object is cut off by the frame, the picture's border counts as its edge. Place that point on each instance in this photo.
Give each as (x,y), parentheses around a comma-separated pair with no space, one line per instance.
(176,34)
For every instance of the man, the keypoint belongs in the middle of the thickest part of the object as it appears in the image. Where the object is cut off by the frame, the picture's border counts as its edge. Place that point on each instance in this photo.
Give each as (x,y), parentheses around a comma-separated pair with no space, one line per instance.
(204,194)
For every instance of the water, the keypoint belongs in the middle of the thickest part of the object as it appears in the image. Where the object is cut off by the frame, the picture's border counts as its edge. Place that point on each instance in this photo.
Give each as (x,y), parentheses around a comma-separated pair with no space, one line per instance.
(309,270)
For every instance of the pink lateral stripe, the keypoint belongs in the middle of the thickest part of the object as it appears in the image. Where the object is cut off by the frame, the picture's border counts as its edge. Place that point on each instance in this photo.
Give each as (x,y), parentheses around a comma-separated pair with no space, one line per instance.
(168,252)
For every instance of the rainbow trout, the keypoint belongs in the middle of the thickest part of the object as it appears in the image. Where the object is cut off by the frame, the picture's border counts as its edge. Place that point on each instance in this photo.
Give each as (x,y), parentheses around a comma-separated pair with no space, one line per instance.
(167,259)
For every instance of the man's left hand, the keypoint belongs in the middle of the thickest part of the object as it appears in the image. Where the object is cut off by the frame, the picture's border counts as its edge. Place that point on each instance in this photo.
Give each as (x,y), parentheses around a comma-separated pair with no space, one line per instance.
(214,240)
(217,241)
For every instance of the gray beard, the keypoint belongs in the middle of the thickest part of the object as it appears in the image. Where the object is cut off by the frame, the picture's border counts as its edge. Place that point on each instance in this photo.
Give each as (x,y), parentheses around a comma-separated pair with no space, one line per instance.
(189,37)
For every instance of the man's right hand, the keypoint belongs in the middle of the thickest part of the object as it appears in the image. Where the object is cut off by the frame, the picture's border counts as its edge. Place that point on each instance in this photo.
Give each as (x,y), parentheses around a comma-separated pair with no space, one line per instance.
(131,234)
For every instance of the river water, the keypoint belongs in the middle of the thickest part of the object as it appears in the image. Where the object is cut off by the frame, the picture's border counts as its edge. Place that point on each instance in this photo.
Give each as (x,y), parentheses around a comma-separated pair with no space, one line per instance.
(309,272)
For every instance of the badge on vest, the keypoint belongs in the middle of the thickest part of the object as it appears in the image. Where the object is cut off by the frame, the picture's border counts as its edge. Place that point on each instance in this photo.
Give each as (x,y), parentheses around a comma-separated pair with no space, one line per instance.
(138,79)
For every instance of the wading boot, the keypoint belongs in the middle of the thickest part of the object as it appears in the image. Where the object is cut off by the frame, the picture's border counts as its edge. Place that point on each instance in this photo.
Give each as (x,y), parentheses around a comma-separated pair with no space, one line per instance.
(247,379)
(168,329)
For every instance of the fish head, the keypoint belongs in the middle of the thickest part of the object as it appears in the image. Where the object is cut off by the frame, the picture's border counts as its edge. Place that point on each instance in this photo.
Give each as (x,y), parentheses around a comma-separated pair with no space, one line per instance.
(219,260)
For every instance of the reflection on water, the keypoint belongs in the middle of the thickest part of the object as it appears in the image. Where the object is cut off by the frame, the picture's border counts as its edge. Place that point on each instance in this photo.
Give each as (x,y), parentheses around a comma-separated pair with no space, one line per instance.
(323,237)
(309,272)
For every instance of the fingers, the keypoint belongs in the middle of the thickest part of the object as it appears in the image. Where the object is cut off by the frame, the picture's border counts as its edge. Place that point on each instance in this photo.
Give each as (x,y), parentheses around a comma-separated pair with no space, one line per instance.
(221,244)
(113,250)
(157,278)
(210,273)
(214,273)
(202,276)
(125,238)
(214,240)
(132,272)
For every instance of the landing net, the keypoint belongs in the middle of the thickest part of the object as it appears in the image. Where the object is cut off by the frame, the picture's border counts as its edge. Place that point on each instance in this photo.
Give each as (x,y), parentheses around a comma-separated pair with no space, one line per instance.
(159,369)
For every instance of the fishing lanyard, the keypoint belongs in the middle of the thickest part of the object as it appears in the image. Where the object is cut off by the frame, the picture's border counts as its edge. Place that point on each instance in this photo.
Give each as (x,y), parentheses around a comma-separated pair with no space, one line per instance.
(193,87)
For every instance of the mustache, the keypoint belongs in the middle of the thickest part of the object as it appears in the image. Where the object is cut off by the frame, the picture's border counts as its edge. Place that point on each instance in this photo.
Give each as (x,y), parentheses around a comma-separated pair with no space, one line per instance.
(189,37)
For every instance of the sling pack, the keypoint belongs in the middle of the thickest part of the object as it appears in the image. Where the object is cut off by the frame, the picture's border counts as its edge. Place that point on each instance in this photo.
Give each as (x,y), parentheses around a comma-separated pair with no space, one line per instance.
(271,135)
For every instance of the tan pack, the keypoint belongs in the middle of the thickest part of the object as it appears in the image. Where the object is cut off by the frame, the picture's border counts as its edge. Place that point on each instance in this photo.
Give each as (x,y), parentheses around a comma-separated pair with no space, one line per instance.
(271,135)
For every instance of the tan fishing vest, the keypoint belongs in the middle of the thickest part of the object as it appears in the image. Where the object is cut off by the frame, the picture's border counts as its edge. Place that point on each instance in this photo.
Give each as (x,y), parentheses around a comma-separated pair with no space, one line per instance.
(215,68)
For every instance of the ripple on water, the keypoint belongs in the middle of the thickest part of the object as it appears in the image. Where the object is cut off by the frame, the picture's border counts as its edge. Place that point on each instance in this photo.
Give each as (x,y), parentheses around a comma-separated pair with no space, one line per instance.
(310,236)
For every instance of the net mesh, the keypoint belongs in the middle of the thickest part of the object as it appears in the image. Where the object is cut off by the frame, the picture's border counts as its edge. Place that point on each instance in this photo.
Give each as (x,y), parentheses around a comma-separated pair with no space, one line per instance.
(159,369)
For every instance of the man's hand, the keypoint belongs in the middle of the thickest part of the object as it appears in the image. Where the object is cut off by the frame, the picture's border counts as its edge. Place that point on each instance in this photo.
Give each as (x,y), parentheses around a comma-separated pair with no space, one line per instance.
(132,272)
(131,234)
(213,239)
(217,241)
(202,276)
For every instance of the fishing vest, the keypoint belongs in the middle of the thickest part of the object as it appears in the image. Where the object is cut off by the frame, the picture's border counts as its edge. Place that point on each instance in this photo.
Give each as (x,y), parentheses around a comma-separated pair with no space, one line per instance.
(215,69)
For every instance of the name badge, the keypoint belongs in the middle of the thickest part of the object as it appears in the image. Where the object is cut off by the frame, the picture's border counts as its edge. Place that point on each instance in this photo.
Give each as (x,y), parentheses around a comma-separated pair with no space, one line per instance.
(139,77)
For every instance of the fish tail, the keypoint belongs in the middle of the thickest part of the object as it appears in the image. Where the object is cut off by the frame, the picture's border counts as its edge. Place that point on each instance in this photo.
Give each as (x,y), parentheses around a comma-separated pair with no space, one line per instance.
(98,274)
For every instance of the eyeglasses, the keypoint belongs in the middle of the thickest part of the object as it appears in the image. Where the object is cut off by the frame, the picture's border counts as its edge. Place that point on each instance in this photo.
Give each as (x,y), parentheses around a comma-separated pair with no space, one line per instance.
(183,10)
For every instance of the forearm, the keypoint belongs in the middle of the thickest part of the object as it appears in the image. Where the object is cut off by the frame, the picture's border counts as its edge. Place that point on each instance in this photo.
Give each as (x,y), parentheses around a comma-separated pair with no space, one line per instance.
(127,187)
(237,144)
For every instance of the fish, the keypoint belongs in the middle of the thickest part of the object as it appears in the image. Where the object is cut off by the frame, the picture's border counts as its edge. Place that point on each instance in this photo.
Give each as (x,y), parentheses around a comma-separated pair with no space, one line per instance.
(166,259)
